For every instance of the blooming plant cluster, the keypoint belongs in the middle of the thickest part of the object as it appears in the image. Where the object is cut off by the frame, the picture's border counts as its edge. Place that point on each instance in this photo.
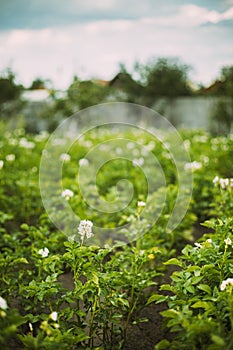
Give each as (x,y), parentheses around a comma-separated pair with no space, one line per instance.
(223,183)
(76,293)
(200,303)
(193,165)
(85,229)
(227,282)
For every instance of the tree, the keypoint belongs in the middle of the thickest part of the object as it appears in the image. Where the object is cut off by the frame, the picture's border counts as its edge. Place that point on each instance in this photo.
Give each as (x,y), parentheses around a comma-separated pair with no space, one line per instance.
(80,95)
(9,90)
(40,83)
(223,113)
(163,78)
(10,103)
(83,94)
(158,78)
(222,117)
(227,81)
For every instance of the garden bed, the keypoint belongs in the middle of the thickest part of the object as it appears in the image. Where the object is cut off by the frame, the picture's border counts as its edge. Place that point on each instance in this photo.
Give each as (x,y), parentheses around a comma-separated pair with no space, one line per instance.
(154,287)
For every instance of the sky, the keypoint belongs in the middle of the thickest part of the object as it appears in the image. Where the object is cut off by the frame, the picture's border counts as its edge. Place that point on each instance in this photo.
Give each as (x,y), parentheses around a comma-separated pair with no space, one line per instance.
(57,39)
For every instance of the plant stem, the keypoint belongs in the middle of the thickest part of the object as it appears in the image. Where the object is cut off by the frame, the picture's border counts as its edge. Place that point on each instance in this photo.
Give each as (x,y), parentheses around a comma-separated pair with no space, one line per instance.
(90,343)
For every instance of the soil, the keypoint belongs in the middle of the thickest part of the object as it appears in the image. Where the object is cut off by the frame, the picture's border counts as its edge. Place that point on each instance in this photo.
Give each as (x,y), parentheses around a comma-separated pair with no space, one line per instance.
(144,336)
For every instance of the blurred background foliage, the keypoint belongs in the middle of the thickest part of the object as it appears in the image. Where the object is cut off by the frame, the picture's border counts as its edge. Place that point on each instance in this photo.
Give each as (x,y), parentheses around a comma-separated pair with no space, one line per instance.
(42,106)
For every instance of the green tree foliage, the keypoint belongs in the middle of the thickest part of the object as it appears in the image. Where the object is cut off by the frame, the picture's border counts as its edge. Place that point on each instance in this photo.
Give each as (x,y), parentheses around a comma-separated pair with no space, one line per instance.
(222,116)
(164,78)
(10,102)
(157,78)
(39,83)
(79,95)
(9,90)
(227,81)
(83,94)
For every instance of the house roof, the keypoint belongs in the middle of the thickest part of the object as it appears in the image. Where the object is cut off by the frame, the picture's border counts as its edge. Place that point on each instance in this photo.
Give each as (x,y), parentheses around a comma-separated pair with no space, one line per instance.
(120,79)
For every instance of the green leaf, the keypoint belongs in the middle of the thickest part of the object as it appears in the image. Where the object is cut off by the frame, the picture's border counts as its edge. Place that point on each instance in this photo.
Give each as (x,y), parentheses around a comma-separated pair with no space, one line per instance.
(21,260)
(24,227)
(166,287)
(95,278)
(125,302)
(196,280)
(202,304)
(170,313)
(140,320)
(205,288)
(195,269)
(190,289)
(81,337)
(173,322)
(217,340)
(156,297)
(162,345)
(205,268)
(174,261)
(176,277)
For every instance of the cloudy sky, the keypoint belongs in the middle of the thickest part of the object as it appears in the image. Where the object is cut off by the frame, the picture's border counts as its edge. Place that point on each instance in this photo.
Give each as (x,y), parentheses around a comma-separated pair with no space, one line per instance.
(56,39)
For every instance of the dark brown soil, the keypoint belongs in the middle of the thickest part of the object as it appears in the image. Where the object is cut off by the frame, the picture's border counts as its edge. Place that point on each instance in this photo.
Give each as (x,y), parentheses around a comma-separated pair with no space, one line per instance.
(144,336)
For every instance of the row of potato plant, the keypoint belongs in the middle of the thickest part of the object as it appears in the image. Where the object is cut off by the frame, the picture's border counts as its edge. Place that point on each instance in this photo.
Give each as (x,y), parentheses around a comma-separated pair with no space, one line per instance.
(200,295)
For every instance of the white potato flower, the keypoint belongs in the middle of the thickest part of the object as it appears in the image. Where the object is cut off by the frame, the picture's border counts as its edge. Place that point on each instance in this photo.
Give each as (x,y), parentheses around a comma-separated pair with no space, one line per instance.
(85,229)
(193,166)
(67,194)
(44,252)
(53,316)
(10,157)
(224,183)
(141,204)
(130,145)
(83,162)
(228,241)
(3,304)
(198,245)
(225,283)
(26,144)
(65,157)
(216,180)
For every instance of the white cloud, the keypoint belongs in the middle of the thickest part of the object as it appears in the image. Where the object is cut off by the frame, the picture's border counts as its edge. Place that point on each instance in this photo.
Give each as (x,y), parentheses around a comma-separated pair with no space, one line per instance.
(108,26)
(200,15)
(95,48)
(191,16)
